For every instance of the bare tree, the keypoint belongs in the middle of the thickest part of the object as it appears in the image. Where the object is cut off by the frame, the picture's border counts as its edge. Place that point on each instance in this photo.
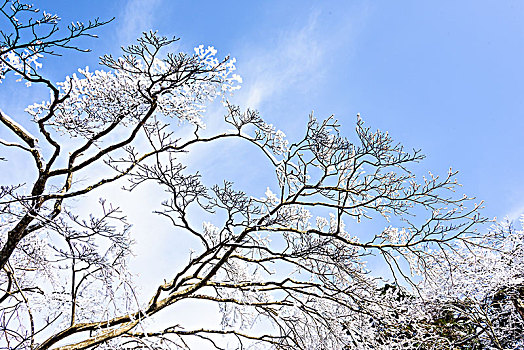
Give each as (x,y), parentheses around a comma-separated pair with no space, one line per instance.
(281,279)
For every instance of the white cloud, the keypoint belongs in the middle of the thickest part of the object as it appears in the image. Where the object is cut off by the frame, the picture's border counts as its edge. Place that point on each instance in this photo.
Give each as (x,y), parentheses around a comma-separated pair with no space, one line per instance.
(136,17)
(298,60)
(291,61)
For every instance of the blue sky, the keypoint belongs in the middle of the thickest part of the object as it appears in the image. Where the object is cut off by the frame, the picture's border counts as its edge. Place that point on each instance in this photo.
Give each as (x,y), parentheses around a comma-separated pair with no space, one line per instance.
(446,77)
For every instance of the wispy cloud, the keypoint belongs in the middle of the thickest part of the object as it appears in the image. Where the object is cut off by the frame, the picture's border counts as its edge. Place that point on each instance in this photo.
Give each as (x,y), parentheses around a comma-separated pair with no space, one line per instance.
(289,63)
(136,17)
(298,60)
